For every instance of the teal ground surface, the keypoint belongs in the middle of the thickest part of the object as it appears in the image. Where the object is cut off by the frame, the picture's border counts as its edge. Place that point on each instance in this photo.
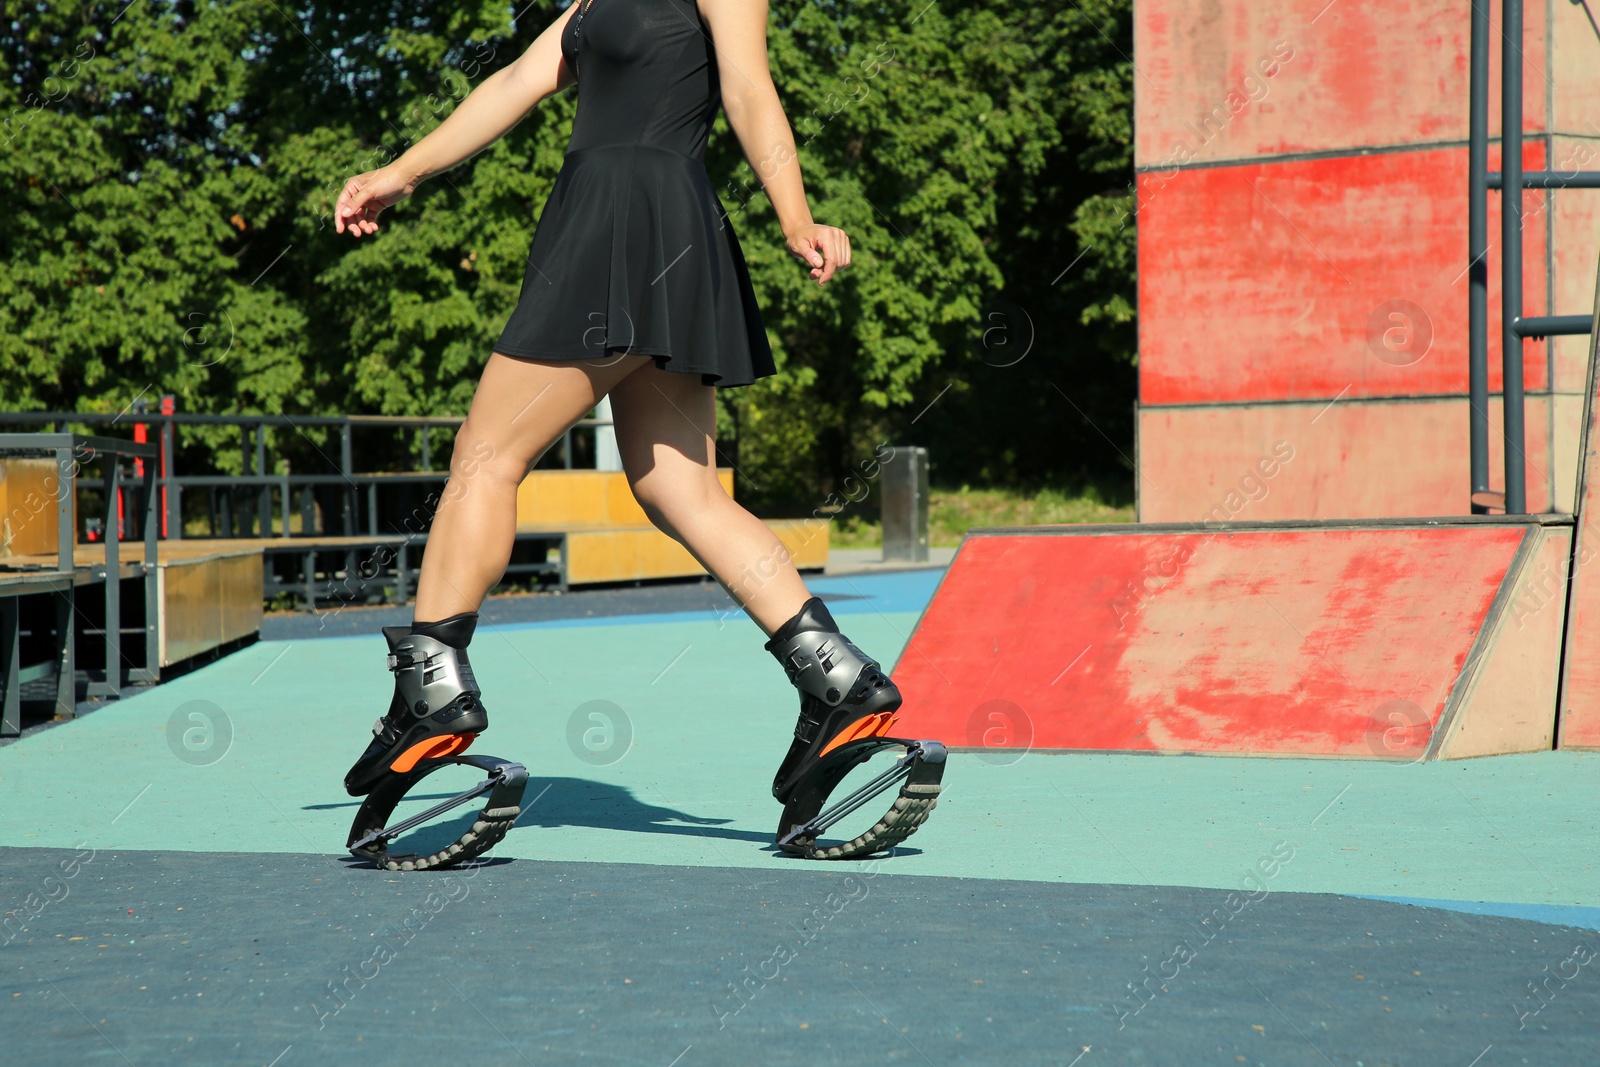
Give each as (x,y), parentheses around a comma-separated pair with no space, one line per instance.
(173,885)
(700,713)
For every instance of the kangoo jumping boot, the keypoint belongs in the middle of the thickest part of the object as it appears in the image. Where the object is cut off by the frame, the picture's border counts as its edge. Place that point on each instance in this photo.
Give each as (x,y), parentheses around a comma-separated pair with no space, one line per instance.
(844,694)
(435,711)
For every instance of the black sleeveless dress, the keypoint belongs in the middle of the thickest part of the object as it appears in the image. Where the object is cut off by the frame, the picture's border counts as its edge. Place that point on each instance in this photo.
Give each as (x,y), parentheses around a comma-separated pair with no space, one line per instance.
(633,253)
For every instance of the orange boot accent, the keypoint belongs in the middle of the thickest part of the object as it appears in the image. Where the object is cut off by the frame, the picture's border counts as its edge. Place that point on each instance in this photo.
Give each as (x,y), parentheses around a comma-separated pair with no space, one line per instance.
(875,725)
(432,748)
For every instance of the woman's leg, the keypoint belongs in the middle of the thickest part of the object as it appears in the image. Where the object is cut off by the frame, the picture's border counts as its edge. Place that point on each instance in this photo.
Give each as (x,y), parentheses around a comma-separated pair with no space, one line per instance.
(666,426)
(520,408)
(666,423)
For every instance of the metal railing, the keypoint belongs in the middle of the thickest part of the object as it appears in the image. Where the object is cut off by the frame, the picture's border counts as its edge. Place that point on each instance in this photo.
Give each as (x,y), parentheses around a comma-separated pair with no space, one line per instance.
(71,452)
(257,514)
(1515,328)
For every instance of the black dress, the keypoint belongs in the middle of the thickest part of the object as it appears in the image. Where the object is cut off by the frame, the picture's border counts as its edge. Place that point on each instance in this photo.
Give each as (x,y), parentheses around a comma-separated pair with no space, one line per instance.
(633,253)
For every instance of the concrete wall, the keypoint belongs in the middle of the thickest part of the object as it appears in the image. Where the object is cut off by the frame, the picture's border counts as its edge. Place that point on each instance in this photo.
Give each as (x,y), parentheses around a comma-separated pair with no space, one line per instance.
(1302,212)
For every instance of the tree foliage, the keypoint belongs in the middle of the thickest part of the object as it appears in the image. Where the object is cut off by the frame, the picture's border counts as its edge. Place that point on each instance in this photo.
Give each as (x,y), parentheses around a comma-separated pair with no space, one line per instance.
(168,172)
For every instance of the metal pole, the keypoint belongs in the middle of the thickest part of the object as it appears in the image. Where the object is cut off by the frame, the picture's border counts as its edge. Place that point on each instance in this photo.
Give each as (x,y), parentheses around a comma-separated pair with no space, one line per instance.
(606,456)
(10,676)
(247,507)
(66,499)
(346,463)
(169,491)
(152,578)
(1511,252)
(67,652)
(264,495)
(1478,254)
(113,539)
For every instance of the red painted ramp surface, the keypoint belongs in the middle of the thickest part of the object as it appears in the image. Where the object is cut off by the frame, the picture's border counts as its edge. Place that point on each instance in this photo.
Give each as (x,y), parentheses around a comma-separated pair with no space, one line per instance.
(1330,640)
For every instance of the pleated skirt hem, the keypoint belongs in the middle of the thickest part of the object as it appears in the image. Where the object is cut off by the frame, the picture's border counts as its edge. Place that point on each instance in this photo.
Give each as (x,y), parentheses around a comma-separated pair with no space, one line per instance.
(633,254)
(663,360)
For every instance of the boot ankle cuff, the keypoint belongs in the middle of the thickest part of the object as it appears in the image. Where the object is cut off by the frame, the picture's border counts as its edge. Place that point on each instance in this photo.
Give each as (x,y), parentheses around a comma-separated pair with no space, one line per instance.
(812,616)
(456,631)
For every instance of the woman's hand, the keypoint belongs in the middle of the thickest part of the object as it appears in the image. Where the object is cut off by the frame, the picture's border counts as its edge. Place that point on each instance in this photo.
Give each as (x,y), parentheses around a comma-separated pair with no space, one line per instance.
(825,248)
(366,195)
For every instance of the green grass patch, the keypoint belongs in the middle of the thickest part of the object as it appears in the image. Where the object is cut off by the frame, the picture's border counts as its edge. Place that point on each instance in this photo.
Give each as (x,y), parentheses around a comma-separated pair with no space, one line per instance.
(952,512)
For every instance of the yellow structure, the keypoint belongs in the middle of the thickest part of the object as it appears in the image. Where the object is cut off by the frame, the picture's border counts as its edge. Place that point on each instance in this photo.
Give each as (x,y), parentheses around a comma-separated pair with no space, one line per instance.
(210,594)
(27,507)
(610,539)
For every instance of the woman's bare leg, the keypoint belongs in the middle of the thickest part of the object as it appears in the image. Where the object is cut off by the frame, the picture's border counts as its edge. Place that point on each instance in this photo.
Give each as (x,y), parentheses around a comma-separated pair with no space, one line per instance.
(520,408)
(666,423)
(666,426)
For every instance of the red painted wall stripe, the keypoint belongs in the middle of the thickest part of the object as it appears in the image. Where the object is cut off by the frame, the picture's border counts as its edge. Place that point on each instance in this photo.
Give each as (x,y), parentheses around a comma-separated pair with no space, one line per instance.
(1278,281)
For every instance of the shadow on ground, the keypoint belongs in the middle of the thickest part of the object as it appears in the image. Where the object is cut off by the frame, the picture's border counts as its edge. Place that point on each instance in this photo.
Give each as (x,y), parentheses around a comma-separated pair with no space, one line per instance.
(556,802)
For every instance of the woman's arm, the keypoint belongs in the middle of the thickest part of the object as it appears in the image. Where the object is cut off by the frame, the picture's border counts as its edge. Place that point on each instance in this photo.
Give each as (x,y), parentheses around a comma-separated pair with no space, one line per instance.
(739,33)
(496,105)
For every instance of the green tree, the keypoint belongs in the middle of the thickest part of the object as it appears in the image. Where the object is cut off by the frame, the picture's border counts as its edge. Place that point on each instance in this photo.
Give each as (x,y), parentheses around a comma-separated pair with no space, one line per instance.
(127,179)
(1062,415)
(171,170)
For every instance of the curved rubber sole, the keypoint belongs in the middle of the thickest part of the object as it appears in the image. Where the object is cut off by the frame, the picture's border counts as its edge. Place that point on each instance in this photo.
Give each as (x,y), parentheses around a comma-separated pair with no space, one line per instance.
(904,818)
(921,776)
(369,838)
(487,831)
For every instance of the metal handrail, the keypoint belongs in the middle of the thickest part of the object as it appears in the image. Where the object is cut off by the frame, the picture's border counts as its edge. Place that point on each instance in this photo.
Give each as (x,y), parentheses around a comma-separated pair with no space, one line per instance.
(1515,328)
(171,485)
(71,452)
(1550,179)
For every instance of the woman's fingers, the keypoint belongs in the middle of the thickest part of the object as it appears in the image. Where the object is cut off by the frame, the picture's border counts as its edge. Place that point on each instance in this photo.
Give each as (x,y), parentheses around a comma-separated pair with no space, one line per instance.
(348,209)
(835,249)
(826,249)
(358,206)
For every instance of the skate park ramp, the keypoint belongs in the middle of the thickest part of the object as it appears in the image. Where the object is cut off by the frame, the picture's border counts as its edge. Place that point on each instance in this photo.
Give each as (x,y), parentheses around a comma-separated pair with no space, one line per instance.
(1414,639)
(1377,639)
(1384,639)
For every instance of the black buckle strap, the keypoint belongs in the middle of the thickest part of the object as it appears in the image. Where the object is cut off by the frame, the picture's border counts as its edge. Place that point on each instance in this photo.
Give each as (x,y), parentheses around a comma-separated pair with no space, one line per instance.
(369,838)
(918,773)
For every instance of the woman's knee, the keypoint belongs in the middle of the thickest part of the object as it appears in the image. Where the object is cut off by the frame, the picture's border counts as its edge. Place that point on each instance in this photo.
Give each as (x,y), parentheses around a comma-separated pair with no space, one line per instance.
(656,501)
(672,499)
(478,458)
